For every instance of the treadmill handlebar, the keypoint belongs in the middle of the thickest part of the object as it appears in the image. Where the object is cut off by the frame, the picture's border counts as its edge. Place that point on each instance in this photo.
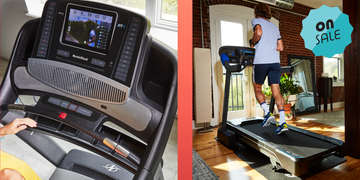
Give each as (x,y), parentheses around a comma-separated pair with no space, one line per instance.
(232,68)
(102,138)
(287,69)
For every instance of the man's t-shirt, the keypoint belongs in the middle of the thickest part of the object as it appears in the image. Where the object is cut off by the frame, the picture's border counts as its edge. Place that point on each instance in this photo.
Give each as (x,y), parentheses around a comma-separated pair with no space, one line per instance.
(265,50)
(92,33)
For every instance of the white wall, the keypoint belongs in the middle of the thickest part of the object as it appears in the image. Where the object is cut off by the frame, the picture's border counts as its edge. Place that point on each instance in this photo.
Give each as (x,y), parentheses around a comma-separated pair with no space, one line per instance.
(12,19)
(166,36)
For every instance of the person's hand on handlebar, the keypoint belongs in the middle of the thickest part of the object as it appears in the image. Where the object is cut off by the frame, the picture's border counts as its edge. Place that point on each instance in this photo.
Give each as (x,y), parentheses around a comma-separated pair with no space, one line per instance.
(17,125)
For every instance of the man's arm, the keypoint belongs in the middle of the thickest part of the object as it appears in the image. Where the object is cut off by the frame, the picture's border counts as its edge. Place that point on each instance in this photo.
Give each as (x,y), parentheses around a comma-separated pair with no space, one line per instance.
(257,35)
(280,45)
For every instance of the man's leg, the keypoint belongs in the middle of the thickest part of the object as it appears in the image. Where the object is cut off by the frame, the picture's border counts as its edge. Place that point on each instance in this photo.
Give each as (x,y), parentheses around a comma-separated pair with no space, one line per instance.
(275,89)
(280,103)
(259,74)
(260,97)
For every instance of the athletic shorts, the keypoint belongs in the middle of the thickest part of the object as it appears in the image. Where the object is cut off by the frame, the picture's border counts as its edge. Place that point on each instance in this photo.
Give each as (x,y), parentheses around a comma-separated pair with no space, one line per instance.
(272,71)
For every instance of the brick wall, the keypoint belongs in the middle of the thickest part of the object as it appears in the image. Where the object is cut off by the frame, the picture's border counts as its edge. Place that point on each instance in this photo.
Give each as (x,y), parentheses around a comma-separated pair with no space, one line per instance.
(290,26)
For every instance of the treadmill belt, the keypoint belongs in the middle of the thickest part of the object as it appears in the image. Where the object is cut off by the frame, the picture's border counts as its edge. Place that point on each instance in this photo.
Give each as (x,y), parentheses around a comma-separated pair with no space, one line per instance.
(294,141)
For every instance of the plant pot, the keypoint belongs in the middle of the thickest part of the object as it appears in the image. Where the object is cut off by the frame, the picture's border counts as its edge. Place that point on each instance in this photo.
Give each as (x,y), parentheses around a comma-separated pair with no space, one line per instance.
(287,108)
(289,117)
(267,99)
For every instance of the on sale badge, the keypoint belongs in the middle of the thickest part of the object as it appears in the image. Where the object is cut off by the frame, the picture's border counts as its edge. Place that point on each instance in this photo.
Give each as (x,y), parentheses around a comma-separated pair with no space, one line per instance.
(326,31)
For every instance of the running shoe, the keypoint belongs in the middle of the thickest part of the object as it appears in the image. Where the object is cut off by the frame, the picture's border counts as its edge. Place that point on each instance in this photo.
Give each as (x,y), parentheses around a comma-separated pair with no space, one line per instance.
(282,128)
(268,119)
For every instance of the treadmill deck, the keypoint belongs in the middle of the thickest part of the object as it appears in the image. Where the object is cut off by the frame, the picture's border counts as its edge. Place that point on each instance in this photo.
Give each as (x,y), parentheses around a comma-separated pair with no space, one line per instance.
(294,141)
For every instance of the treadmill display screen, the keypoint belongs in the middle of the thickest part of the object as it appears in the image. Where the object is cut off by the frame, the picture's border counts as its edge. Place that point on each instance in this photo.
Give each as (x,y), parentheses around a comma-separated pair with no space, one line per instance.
(89,29)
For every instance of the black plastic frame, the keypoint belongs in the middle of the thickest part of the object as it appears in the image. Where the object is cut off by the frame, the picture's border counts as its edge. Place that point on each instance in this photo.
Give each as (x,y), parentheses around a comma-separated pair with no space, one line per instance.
(151,155)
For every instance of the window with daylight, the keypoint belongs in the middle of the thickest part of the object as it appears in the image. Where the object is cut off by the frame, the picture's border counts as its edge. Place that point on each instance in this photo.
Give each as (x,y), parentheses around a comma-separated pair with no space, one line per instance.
(334,66)
(168,13)
(138,6)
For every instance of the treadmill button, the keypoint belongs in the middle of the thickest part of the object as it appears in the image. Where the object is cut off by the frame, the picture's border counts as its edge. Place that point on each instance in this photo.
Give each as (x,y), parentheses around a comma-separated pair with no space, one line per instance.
(119,74)
(42,48)
(48,20)
(55,101)
(49,16)
(40,55)
(129,43)
(46,29)
(98,62)
(126,56)
(43,44)
(130,48)
(51,8)
(122,70)
(62,115)
(123,66)
(84,111)
(44,40)
(64,104)
(121,78)
(135,20)
(134,29)
(63,53)
(73,107)
(47,24)
(50,12)
(129,38)
(41,52)
(52,4)
(127,52)
(135,25)
(125,61)
(132,34)
(46,32)
(45,36)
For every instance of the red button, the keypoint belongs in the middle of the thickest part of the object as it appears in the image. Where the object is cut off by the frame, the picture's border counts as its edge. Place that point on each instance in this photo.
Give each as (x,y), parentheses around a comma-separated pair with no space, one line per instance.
(62,115)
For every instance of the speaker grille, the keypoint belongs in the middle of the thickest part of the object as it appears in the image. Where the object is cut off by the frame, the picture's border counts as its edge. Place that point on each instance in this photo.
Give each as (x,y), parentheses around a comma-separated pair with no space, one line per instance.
(76,83)
(90,172)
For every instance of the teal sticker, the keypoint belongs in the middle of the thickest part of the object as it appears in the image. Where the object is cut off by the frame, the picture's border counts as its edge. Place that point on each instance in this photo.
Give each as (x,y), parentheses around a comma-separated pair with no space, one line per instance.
(326,31)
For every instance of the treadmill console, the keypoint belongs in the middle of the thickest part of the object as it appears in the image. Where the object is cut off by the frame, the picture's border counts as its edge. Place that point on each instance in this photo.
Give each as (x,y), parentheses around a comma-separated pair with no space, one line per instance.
(97,37)
(234,53)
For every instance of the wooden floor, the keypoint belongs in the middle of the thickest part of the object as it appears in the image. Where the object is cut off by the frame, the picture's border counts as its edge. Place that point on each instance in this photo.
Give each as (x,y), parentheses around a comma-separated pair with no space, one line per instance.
(227,166)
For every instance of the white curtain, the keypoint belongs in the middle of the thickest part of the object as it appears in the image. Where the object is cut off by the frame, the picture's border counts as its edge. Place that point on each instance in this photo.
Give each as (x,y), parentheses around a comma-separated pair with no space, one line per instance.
(302,73)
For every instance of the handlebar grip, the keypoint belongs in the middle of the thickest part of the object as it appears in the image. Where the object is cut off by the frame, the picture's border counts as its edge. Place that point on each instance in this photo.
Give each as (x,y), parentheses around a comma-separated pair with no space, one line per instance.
(224,58)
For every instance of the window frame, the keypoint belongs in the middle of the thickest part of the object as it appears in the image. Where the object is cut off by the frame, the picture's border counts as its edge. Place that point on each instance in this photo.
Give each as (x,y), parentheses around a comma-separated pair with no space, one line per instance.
(340,58)
(154,11)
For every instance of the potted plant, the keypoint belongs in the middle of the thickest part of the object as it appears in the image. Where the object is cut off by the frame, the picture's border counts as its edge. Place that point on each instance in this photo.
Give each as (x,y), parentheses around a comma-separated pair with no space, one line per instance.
(267,92)
(289,86)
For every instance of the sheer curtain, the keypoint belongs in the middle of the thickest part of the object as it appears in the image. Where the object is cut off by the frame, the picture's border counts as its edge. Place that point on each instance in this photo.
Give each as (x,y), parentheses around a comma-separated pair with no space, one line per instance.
(302,73)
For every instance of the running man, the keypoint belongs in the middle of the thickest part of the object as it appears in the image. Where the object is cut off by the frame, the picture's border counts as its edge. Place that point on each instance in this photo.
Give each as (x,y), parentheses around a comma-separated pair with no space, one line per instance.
(267,42)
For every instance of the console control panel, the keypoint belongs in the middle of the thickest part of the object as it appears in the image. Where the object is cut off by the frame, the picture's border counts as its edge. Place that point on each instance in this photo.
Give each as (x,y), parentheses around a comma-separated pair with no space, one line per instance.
(98,37)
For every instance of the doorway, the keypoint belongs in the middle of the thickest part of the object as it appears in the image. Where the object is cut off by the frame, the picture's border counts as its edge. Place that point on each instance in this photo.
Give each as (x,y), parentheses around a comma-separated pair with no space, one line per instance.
(231,25)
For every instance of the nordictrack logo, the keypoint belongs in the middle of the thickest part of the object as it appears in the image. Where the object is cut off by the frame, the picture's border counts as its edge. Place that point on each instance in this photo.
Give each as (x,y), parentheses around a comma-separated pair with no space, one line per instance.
(80,57)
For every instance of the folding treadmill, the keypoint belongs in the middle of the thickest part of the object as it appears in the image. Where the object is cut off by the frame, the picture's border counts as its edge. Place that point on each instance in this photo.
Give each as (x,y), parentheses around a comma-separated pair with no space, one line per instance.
(92,64)
(297,150)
